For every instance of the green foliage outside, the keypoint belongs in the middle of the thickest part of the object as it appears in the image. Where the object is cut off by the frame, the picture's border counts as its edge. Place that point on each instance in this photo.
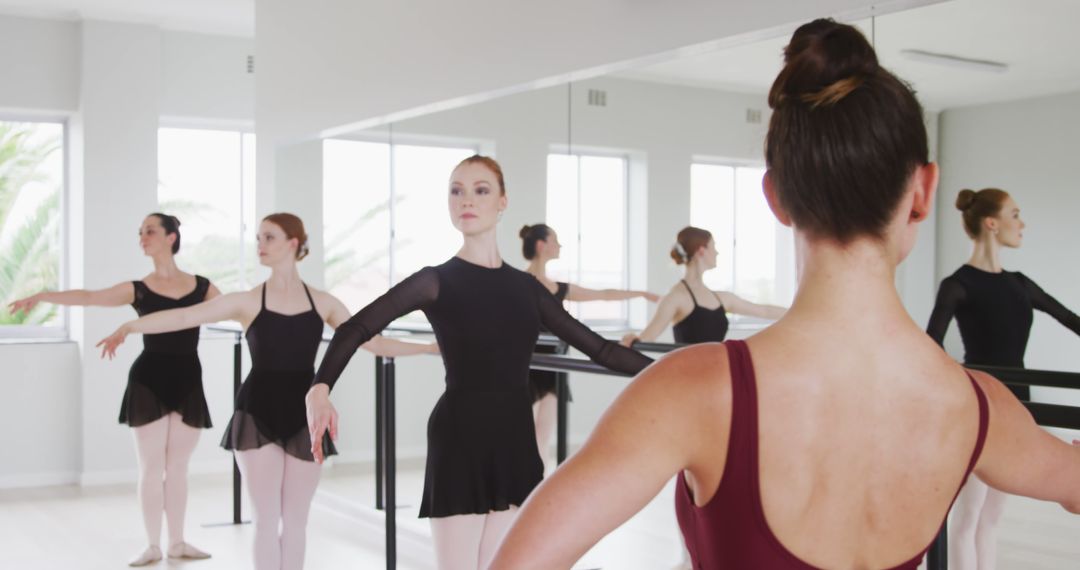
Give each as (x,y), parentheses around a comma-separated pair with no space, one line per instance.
(29,245)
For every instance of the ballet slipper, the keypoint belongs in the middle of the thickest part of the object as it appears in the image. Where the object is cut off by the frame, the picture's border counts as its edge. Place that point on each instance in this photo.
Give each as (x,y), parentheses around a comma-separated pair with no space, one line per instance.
(187,551)
(149,556)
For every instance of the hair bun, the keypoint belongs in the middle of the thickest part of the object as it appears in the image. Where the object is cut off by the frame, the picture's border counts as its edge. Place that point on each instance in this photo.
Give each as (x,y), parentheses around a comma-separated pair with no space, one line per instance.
(524,231)
(965,199)
(824,62)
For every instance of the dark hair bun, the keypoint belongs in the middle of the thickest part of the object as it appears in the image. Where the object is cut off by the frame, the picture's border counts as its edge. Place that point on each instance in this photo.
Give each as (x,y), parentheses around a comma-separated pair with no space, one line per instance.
(965,199)
(824,62)
(524,231)
(678,257)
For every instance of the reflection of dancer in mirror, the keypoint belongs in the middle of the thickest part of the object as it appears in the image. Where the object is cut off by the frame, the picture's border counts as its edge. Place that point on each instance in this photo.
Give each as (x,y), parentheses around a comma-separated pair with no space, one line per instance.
(993,310)
(482,459)
(164,402)
(839,436)
(283,319)
(688,306)
(540,244)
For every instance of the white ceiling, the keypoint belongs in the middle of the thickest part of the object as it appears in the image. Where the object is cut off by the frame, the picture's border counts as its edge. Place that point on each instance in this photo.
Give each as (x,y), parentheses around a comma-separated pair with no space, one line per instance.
(1034,38)
(224,17)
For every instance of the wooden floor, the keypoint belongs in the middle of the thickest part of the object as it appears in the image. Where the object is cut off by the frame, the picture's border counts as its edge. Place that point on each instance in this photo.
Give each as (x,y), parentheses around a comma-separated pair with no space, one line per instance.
(98,528)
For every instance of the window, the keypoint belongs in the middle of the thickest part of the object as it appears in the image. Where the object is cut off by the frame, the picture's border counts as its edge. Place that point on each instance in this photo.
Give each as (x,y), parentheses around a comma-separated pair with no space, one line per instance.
(31,222)
(755,252)
(384,214)
(207,179)
(587,208)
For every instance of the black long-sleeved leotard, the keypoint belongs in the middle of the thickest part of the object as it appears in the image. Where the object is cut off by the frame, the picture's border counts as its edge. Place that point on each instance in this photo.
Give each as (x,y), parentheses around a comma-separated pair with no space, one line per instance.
(994,312)
(482,453)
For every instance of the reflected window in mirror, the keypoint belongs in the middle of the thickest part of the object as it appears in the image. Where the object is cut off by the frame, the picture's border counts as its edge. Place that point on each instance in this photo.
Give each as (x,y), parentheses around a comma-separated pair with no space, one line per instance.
(755,252)
(384,214)
(587,208)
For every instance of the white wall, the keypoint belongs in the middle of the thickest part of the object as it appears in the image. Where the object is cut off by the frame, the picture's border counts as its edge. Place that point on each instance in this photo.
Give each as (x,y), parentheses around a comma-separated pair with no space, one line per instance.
(40,66)
(42,394)
(326,64)
(1028,148)
(113,83)
(205,77)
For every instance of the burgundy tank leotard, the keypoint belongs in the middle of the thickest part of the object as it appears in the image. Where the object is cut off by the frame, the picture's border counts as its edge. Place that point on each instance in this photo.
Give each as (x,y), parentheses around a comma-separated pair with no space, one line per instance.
(730,531)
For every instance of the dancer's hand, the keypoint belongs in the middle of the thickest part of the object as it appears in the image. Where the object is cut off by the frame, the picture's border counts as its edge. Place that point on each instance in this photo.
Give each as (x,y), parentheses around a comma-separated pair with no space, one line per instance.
(24,305)
(652,297)
(321,416)
(110,343)
(629,339)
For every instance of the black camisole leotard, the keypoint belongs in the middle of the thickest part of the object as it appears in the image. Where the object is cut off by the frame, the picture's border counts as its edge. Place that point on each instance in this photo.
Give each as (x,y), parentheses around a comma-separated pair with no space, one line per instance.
(701,325)
(482,454)
(994,314)
(167,376)
(270,406)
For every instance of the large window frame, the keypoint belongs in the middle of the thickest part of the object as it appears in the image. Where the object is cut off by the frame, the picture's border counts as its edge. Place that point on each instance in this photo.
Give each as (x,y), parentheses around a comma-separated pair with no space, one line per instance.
(59,331)
(246,260)
(784,281)
(393,238)
(574,274)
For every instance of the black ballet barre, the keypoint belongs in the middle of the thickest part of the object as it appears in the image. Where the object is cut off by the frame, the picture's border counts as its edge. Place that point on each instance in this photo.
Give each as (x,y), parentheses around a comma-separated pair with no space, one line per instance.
(238,335)
(663,347)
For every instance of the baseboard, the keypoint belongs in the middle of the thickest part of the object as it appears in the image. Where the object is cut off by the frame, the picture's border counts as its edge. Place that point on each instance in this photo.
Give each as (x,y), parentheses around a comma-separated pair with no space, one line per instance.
(30,480)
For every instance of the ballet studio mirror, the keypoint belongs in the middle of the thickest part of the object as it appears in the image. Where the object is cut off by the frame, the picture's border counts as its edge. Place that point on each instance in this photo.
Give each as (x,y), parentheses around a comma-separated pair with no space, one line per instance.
(618,164)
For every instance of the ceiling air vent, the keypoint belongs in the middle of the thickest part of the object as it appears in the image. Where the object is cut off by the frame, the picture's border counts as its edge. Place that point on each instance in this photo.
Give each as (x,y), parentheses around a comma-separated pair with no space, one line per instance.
(597,98)
(251,64)
(753,116)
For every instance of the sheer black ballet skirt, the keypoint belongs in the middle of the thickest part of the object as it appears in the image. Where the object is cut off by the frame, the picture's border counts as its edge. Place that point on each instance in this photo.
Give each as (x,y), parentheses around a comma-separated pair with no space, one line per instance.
(482,454)
(166,377)
(543,382)
(994,312)
(270,406)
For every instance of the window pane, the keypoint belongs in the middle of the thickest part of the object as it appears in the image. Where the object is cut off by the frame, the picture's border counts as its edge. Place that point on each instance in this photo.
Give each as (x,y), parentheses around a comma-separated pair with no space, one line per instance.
(200,182)
(31,183)
(586,206)
(755,238)
(603,234)
(562,214)
(248,251)
(712,207)
(423,232)
(356,220)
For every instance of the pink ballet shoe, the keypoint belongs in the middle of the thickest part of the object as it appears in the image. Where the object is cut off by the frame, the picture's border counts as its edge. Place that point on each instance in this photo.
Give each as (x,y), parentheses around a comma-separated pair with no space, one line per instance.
(186,551)
(149,556)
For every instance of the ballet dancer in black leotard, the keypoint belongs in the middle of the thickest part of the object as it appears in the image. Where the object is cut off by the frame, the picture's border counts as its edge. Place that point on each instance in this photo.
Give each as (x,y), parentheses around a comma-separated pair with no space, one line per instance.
(685,305)
(164,402)
(482,460)
(993,310)
(539,245)
(283,319)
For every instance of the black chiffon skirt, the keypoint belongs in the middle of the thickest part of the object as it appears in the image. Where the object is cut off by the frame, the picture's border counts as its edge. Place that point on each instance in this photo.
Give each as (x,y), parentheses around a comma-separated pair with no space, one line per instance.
(481,454)
(160,383)
(270,410)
